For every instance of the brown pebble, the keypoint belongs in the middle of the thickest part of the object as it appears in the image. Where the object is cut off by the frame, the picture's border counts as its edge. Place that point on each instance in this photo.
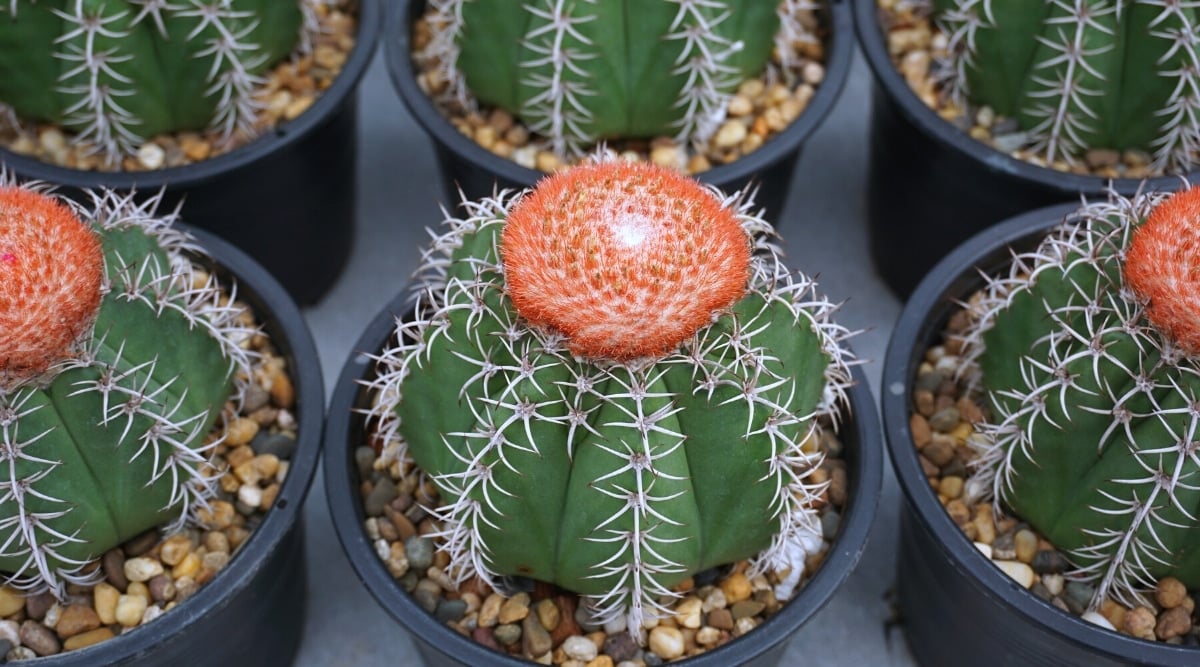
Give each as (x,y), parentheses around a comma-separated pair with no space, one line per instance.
(282,393)
(1140,623)
(86,639)
(958,512)
(39,638)
(1170,592)
(921,433)
(76,619)
(37,605)
(567,624)
(924,402)
(940,452)
(1173,623)
(721,619)
(114,568)
(162,588)
(484,637)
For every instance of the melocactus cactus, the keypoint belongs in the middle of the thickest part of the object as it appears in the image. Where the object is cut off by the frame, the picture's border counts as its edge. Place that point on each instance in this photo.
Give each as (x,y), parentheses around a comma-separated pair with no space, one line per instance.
(1090,354)
(1083,74)
(579,71)
(120,71)
(614,383)
(116,360)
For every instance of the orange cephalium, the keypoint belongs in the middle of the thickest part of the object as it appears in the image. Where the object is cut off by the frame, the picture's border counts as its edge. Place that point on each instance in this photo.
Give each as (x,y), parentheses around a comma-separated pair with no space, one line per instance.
(1162,266)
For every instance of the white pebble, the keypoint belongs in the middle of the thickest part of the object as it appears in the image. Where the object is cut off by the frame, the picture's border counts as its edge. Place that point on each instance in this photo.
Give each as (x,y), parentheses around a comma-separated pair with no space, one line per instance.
(985,549)
(1020,572)
(1053,583)
(1098,619)
(11,631)
(250,494)
(616,625)
(151,156)
(731,134)
(580,648)
(526,156)
(142,569)
(50,620)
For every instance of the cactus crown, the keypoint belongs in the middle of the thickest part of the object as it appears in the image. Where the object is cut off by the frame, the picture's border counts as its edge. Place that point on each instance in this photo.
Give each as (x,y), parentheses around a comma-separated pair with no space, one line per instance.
(120,71)
(587,70)
(570,445)
(116,359)
(1087,350)
(1083,74)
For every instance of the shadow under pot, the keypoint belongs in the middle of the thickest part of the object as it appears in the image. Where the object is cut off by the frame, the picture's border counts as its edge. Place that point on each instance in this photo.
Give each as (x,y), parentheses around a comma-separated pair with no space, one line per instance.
(957,604)
(931,186)
(478,172)
(288,198)
(441,646)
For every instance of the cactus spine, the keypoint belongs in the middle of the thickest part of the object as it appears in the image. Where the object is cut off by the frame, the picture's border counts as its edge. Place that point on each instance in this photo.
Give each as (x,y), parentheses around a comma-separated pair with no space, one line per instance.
(116,360)
(1088,351)
(1082,74)
(119,71)
(587,70)
(576,434)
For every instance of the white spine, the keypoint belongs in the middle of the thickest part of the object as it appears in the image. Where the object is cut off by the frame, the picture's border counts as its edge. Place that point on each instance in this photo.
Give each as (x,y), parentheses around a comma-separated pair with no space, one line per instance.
(703,62)
(559,111)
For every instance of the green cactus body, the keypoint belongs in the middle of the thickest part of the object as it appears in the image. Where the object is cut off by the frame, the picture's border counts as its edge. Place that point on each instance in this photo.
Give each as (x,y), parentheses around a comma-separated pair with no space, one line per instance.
(614,479)
(114,439)
(579,71)
(119,71)
(1095,436)
(1083,74)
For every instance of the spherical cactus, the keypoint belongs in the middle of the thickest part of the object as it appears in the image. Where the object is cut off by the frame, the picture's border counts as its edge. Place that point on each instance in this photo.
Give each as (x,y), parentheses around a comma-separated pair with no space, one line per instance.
(1083,74)
(614,383)
(1088,352)
(578,72)
(117,359)
(120,71)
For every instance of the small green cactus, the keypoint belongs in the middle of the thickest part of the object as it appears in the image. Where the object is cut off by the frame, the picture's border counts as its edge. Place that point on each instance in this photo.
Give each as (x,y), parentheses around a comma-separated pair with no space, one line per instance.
(579,71)
(614,383)
(120,71)
(116,361)
(1089,351)
(1083,74)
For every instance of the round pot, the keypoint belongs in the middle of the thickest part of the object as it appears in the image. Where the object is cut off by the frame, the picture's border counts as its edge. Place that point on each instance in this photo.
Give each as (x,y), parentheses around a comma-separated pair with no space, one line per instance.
(252,612)
(442,647)
(930,186)
(476,172)
(288,198)
(956,606)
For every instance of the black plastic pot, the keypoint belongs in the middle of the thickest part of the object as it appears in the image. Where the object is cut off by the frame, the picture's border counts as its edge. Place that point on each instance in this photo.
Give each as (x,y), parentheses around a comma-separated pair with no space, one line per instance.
(288,198)
(930,186)
(957,607)
(442,647)
(252,612)
(478,172)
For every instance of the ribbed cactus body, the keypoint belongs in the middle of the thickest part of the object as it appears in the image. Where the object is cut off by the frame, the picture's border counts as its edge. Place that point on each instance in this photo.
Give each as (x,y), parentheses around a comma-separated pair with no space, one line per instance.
(613,478)
(120,71)
(579,71)
(112,439)
(1082,74)
(1097,411)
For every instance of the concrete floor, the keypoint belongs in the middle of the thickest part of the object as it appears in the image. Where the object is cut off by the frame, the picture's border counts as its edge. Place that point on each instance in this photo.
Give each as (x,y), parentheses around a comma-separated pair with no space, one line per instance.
(826,231)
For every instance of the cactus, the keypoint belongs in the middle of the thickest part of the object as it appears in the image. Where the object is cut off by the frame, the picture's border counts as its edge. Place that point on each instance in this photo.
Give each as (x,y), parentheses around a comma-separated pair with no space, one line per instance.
(119,71)
(1089,351)
(116,361)
(614,383)
(588,70)
(1083,74)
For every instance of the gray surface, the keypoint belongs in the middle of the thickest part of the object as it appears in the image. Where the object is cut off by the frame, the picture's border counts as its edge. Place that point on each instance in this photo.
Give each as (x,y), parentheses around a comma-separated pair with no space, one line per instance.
(826,235)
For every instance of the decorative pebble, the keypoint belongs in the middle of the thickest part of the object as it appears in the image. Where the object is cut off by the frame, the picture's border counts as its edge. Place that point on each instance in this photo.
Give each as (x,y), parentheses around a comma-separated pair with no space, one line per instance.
(666,642)
(621,647)
(535,640)
(39,639)
(507,634)
(514,608)
(11,601)
(76,619)
(736,588)
(1140,623)
(582,648)
(419,551)
(1098,619)
(1170,593)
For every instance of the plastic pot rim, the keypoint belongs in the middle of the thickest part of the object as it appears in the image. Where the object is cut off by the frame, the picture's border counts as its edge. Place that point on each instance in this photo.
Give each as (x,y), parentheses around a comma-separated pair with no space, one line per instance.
(280,318)
(890,82)
(916,328)
(347,511)
(284,135)
(398,49)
